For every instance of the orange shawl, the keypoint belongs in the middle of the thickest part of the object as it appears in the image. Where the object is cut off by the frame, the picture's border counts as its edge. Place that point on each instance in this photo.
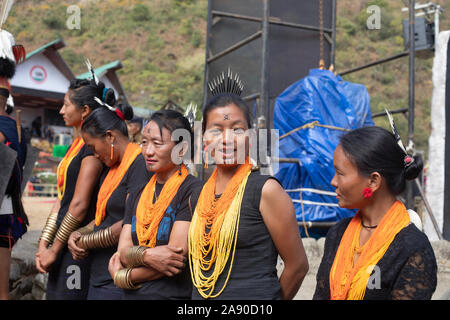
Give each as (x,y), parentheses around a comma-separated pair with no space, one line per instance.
(149,214)
(74,149)
(348,281)
(113,179)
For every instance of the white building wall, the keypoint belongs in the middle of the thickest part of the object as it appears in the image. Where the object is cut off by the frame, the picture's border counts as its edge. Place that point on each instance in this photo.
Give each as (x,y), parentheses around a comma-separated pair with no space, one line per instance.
(39,73)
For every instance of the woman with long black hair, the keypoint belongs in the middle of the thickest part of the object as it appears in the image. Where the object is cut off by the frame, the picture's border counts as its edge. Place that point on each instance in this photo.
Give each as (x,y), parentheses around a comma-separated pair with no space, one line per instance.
(105,132)
(150,263)
(379,253)
(78,177)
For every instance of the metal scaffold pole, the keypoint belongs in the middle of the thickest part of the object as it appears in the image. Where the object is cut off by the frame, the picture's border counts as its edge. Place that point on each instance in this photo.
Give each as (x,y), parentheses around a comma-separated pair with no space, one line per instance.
(410,185)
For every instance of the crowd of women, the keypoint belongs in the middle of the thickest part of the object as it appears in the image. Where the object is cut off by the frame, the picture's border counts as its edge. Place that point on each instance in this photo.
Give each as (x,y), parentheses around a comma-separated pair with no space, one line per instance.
(131,222)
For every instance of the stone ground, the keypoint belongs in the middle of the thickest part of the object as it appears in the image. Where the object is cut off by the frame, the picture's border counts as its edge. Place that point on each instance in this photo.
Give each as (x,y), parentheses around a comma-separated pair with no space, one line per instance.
(25,278)
(37,209)
(26,283)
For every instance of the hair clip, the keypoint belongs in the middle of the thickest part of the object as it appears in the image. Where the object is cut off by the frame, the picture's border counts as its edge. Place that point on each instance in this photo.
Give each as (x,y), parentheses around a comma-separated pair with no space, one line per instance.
(91,70)
(408,160)
(395,132)
(115,110)
(105,90)
(190,113)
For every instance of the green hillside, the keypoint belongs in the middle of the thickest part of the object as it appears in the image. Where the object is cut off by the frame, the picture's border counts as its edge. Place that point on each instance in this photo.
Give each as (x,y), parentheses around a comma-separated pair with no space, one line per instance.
(387,83)
(162,46)
(160,42)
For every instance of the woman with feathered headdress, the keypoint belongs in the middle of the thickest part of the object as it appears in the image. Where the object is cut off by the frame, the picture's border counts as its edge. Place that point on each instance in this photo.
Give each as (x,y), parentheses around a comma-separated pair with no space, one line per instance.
(243,220)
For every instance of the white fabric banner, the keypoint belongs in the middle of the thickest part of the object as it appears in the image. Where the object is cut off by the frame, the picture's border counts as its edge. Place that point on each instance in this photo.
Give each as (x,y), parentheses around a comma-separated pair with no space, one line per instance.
(436,147)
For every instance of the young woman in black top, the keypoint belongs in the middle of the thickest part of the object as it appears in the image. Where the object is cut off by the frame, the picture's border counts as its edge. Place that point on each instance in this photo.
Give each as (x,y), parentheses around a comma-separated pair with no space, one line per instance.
(78,178)
(150,262)
(379,253)
(243,219)
(105,132)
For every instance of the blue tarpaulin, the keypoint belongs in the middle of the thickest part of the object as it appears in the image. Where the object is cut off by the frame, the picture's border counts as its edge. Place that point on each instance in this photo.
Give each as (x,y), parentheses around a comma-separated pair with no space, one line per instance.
(327,99)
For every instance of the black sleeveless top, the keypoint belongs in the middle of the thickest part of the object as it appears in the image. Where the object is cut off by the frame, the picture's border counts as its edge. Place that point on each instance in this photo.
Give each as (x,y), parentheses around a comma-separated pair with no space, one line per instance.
(180,285)
(253,274)
(59,274)
(135,178)
(72,175)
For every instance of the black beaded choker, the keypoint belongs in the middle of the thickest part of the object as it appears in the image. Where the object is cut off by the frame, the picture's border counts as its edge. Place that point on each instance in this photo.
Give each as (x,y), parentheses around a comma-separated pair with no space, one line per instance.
(368,227)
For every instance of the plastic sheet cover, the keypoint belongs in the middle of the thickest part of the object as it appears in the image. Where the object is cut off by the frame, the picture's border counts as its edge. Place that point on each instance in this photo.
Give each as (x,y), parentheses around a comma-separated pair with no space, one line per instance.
(327,99)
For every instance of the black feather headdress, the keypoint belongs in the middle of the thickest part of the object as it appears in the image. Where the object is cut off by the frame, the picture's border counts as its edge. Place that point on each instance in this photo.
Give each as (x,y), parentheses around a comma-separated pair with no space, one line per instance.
(226,83)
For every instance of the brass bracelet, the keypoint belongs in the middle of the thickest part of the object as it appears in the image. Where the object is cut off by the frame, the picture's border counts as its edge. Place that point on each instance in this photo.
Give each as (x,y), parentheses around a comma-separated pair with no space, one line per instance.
(110,238)
(119,278)
(129,282)
(86,229)
(122,279)
(135,256)
(85,241)
(99,239)
(68,225)
(50,228)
